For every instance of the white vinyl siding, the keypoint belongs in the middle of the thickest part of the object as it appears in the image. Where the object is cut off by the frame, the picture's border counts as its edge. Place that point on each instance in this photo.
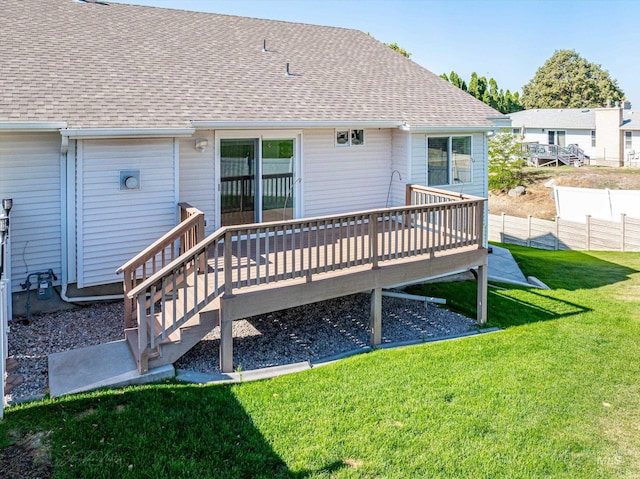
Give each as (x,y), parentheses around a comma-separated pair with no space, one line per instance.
(338,179)
(197,177)
(401,146)
(478,154)
(30,174)
(115,224)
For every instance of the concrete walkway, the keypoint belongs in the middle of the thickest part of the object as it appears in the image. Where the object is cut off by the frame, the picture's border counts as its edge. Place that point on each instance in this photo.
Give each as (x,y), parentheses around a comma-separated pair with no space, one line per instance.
(504,269)
(111,364)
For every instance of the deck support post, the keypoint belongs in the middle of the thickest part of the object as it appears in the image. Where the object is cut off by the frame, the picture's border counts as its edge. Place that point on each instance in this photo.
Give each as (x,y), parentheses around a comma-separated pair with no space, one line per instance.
(376,317)
(481,296)
(226,342)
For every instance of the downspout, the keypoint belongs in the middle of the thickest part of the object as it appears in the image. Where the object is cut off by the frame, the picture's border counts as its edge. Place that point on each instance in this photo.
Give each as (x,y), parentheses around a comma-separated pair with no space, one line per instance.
(64,148)
(485,181)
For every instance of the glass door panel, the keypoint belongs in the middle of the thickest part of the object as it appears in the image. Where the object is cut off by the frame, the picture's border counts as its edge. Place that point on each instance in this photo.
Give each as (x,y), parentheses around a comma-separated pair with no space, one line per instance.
(277,180)
(237,181)
(438,161)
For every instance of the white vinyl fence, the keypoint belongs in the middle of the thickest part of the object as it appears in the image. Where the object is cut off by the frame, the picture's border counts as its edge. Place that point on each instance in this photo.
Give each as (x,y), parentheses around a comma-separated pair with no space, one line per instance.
(592,234)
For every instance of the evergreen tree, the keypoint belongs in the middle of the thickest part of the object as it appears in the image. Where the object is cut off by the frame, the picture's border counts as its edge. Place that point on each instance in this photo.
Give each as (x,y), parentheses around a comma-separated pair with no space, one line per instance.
(486,91)
(394,46)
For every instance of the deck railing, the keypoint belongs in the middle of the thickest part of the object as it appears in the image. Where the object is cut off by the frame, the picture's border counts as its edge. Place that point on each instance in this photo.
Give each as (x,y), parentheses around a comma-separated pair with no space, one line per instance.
(249,255)
(156,256)
(566,154)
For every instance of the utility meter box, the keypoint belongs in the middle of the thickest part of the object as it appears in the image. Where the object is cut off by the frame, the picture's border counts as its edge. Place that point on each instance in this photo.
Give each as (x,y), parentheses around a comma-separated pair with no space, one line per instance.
(45,286)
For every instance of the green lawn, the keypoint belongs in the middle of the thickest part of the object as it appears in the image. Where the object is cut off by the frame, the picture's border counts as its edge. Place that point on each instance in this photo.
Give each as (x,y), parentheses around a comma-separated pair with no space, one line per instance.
(556,394)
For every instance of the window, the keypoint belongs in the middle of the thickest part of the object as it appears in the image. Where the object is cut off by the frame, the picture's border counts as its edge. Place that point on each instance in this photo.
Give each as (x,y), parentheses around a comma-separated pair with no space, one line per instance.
(557,137)
(448,160)
(593,138)
(349,137)
(628,140)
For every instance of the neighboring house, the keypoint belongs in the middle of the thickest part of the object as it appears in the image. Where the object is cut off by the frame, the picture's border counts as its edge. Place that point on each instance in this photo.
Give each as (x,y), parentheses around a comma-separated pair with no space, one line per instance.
(608,136)
(112,114)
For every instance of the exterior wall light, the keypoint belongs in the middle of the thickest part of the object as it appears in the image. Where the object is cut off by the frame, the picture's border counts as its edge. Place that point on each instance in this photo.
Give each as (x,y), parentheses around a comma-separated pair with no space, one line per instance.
(7,204)
(201,144)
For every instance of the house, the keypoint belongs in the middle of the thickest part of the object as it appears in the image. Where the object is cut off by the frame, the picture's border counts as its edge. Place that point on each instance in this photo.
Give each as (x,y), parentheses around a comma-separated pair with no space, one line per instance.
(111,115)
(608,136)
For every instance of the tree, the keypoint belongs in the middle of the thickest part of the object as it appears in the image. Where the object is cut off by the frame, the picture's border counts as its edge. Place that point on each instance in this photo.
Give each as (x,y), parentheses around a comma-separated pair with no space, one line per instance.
(486,91)
(567,80)
(401,51)
(505,161)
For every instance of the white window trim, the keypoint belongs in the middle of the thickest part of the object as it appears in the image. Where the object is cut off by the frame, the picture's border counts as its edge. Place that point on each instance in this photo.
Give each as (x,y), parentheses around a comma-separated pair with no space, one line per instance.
(261,135)
(449,157)
(349,132)
(628,140)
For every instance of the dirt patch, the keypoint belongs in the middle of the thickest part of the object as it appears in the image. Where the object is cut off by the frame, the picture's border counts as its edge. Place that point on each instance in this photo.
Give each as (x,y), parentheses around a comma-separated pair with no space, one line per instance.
(538,200)
(28,456)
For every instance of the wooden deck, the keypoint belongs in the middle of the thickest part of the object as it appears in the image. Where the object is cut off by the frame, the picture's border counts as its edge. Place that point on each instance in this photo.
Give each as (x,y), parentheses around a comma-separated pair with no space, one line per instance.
(245,270)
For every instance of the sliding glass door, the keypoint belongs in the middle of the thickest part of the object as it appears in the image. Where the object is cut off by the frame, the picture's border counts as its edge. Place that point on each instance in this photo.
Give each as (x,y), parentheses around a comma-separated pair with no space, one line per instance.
(243,199)
(237,181)
(277,180)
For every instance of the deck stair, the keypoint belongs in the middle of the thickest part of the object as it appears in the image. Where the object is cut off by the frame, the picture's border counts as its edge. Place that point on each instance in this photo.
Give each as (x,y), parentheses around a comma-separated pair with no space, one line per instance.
(181,287)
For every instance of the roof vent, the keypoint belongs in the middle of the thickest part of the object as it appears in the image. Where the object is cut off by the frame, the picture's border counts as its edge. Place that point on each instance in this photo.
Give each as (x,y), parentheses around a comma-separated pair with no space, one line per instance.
(264,47)
(288,73)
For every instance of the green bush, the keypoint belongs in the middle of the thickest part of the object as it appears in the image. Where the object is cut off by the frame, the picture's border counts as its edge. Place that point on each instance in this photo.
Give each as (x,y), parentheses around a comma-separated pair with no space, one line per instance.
(505,161)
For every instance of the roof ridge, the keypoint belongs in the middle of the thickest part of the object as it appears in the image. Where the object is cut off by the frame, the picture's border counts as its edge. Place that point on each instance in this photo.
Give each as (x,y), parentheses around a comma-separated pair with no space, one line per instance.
(200,12)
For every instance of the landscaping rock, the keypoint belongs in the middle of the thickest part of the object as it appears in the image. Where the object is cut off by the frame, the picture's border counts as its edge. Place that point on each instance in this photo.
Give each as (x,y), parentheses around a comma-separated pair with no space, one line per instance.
(12,365)
(306,333)
(517,191)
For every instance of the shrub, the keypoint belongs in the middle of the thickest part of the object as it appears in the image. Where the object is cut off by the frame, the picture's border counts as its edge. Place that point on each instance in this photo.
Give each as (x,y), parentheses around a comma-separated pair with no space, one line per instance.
(505,161)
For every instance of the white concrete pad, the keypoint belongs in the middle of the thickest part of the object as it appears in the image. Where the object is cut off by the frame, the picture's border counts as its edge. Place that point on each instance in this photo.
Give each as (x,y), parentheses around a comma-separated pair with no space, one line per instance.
(109,364)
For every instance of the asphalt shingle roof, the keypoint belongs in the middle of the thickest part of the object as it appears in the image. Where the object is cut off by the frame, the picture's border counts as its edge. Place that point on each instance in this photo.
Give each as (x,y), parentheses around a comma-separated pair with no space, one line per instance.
(630,120)
(125,66)
(566,118)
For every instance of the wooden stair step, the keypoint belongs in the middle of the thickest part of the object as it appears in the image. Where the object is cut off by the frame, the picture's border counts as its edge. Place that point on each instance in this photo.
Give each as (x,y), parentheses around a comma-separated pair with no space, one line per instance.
(131,335)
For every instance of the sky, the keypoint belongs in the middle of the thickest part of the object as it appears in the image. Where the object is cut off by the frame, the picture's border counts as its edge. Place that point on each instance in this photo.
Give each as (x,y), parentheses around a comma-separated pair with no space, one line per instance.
(504,39)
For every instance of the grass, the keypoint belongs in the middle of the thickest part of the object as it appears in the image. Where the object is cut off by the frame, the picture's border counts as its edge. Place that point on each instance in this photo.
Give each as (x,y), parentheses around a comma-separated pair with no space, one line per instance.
(556,394)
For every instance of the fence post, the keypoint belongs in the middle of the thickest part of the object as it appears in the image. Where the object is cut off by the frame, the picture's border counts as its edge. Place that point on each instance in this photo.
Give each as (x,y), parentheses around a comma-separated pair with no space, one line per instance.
(408,195)
(623,227)
(588,233)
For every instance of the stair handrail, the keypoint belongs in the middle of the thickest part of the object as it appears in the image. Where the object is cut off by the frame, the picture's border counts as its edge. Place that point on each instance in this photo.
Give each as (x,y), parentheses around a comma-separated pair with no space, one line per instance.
(223,241)
(220,233)
(172,244)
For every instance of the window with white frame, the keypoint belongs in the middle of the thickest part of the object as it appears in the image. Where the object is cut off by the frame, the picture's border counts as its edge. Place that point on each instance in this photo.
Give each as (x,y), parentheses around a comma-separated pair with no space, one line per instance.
(628,140)
(593,138)
(349,137)
(449,160)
